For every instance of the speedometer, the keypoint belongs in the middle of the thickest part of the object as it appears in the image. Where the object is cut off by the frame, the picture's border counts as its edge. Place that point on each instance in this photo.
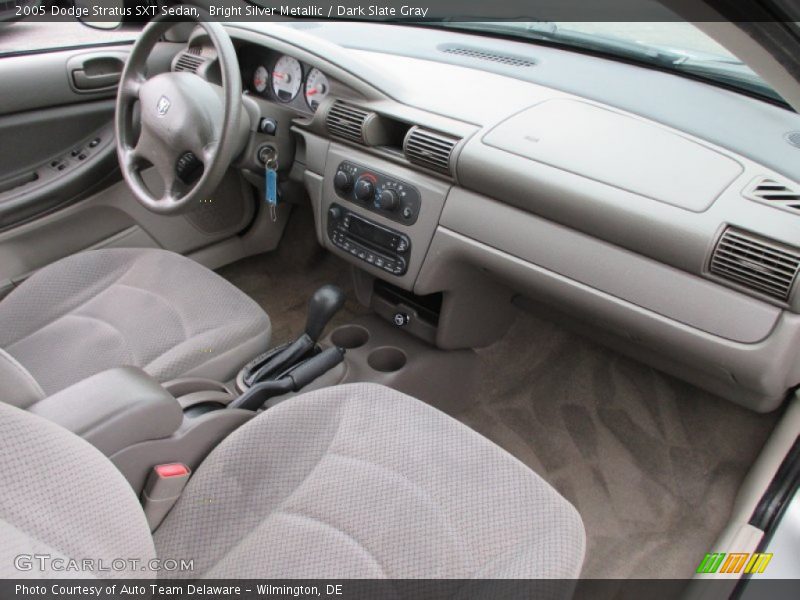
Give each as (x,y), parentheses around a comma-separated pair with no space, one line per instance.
(260,79)
(287,77)
(317,88)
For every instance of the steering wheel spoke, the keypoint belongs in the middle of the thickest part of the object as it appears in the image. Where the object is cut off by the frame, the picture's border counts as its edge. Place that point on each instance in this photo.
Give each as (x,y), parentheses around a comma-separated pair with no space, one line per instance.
(128,90)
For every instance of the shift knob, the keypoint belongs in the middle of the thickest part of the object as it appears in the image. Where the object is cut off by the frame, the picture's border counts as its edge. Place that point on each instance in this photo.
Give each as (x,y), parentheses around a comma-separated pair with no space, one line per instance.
(325,303)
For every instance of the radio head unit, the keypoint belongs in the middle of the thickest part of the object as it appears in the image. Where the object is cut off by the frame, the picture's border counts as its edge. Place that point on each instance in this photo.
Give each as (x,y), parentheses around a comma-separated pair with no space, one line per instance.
(379,246)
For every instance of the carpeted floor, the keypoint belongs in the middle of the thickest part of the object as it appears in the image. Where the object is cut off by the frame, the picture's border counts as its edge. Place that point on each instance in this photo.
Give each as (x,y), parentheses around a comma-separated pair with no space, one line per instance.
(651,463)
(283,281)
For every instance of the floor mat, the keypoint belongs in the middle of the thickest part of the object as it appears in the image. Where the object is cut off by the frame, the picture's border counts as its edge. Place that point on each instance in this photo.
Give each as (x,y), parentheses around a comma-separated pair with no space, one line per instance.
(652,464)
(283,281)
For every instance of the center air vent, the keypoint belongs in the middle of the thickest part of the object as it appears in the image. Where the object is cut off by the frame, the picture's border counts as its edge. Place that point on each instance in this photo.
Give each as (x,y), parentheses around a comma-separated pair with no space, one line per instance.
(347,121)
(429,149)
(488,55)
(757,263)
(188,62)
(776,193)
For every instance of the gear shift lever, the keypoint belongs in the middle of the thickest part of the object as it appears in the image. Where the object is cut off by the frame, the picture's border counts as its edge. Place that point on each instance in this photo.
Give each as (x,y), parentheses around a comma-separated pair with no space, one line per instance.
(325,303)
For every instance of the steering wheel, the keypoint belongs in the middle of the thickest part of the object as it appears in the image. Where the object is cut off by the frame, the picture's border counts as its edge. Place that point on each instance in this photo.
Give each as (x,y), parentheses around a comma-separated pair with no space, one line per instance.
(189,127)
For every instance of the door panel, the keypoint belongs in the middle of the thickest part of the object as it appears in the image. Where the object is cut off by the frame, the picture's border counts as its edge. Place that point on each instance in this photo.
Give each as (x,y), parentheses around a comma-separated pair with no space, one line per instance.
(61,191)
(57,139)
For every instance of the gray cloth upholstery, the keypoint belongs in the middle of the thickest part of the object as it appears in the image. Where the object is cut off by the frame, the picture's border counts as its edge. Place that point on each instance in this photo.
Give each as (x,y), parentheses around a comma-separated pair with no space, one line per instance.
(352,481)
(19,387)
(129,307)
(60,496)
(360,481)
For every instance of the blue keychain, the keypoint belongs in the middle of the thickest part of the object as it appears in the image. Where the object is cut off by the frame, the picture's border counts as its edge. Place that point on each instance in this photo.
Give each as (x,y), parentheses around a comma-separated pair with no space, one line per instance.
(271,186)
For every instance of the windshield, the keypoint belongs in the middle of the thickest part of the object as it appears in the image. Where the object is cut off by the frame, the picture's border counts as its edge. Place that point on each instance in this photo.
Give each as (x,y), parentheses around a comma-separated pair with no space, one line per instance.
(677,46)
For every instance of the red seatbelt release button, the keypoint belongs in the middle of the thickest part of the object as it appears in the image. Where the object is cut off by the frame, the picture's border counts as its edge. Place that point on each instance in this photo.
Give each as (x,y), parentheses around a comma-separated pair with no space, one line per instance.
(172,470)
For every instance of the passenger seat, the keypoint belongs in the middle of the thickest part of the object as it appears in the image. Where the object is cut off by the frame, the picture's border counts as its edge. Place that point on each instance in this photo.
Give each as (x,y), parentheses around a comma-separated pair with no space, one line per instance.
(354,481)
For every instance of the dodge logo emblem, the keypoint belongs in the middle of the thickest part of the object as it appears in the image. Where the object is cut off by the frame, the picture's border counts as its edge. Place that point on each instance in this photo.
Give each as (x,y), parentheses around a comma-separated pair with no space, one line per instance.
(163,106)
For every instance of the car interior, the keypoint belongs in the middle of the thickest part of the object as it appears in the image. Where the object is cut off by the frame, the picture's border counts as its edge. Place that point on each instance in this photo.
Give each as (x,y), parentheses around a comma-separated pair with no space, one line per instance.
(369,300)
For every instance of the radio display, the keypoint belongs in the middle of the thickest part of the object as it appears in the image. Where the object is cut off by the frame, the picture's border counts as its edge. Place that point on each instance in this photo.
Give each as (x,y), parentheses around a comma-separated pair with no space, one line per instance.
(370,233)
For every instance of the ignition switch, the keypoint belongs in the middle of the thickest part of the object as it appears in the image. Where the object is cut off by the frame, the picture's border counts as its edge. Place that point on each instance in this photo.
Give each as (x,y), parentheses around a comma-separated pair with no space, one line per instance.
(267,153)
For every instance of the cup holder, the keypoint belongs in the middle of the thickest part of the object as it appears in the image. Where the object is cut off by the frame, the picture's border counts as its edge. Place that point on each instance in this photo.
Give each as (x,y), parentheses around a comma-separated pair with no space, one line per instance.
(387,359)
(350,336)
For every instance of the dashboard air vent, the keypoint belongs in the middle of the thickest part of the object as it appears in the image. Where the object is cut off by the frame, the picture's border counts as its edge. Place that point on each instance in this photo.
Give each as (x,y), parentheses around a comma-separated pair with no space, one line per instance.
(774,192)
(481,54)
(755,262)
(429,149)
(347,121)
(188,62)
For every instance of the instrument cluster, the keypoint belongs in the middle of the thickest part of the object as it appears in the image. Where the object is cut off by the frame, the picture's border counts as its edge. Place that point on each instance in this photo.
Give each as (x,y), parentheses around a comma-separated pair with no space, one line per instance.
(282,78)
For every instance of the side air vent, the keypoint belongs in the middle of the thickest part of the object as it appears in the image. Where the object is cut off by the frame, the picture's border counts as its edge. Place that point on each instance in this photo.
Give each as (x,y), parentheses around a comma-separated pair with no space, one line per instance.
(347,121)
(429,149)
(774,192)
(188,62)
(757,263)
(488,55)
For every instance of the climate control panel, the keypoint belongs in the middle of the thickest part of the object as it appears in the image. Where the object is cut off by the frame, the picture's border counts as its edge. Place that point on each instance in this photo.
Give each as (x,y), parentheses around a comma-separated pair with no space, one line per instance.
(379,246)
(377,192)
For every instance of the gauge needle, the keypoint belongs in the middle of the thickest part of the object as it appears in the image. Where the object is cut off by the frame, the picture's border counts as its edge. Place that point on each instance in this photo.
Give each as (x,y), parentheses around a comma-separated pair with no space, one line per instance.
(311,92)
(278,75)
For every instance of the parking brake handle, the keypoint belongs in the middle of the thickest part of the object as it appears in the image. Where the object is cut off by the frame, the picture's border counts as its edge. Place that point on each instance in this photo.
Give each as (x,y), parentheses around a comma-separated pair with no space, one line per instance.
(292,380)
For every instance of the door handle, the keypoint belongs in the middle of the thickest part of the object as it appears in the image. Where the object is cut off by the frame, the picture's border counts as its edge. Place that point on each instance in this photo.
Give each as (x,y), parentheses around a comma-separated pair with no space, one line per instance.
(96,72)
(85,80)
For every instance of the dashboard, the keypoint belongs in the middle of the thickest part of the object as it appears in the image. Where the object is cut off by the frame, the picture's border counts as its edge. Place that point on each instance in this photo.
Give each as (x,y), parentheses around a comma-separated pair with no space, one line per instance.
(668,234)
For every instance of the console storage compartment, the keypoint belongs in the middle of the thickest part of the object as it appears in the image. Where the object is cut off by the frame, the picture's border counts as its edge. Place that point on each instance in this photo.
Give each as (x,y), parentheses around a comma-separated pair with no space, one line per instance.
(114,409)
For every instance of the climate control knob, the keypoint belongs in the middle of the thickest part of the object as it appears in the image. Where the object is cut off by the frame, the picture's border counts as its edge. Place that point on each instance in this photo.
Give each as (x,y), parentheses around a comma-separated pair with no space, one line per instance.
(343,182)
(365,189)
(387,200)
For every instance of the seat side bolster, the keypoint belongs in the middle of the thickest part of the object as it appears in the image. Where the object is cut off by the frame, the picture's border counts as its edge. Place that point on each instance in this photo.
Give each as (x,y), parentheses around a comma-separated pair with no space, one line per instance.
(19,387)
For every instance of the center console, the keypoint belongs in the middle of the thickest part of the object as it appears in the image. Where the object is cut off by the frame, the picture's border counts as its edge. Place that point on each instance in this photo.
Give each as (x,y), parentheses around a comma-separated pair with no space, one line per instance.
(377,214)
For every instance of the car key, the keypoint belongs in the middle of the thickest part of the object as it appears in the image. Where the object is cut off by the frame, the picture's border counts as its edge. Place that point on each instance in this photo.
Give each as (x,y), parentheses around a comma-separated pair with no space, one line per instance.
(271,183)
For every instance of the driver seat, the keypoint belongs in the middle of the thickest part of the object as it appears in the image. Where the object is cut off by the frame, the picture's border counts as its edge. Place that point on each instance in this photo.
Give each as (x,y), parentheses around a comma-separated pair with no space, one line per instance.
(142,307)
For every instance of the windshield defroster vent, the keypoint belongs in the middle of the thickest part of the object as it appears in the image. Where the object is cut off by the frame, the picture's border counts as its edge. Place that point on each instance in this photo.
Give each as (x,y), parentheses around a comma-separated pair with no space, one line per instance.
(429,149)
(188,62)
(775,193)
(757,263)
(488,55)
(347,121)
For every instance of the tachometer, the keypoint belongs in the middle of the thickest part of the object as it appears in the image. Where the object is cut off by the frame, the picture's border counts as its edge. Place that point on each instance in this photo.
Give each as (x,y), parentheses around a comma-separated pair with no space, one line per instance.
(317,88)
(260,79)
(287,77)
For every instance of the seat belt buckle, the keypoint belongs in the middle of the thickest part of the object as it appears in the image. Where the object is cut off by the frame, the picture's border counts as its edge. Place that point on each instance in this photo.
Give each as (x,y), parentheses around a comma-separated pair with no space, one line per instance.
(162,489)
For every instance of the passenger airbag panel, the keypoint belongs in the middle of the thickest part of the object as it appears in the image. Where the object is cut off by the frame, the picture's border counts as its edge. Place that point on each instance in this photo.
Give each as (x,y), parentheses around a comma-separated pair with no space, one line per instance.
(618,150)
